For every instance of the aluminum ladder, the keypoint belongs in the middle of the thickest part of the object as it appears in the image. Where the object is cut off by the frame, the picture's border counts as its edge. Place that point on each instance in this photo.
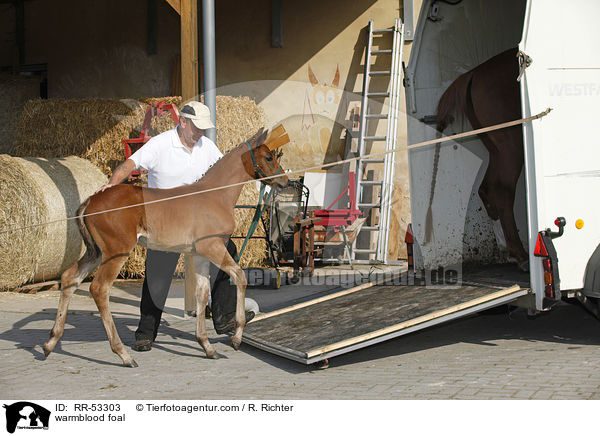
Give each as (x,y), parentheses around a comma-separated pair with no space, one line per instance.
(369,122)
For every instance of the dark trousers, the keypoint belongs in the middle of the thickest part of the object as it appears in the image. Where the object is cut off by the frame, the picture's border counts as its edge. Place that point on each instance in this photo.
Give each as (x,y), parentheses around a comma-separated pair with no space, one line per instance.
(160,266)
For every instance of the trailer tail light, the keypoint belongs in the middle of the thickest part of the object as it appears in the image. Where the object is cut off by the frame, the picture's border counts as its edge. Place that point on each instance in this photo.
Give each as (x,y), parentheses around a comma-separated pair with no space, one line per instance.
(544,248)
(409,240)
(541,250)
(548,278)
(540,247)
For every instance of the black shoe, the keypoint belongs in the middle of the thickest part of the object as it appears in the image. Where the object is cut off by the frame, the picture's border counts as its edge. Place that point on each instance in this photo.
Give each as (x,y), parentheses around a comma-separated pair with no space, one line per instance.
(143,345)
(229,327)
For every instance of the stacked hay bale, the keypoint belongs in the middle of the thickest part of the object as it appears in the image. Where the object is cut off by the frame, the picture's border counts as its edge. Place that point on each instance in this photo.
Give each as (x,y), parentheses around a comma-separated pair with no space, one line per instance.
(36,191)
(93,130)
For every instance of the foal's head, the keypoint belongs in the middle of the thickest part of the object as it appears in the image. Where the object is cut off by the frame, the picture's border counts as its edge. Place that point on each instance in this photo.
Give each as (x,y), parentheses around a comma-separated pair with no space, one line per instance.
(260,161)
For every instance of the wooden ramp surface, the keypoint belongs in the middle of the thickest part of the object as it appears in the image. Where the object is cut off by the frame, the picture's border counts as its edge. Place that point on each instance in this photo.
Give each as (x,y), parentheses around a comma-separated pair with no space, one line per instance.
(353,319)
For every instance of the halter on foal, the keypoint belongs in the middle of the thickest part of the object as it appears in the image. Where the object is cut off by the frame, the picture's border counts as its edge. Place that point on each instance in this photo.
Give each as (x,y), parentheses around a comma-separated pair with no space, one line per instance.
(198,224)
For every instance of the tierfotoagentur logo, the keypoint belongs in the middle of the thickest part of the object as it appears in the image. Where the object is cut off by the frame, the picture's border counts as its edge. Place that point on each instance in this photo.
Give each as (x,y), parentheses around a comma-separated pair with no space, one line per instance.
(26,415)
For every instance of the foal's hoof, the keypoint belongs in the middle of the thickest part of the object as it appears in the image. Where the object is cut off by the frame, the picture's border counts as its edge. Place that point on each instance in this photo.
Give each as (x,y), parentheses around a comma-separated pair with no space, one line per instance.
(47,350)
(321,364)
(131,364)
(235,343)
(213,356)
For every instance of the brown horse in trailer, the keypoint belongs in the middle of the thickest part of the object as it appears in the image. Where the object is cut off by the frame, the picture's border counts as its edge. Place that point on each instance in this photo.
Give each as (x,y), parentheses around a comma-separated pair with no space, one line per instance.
(195,222)
(488,95)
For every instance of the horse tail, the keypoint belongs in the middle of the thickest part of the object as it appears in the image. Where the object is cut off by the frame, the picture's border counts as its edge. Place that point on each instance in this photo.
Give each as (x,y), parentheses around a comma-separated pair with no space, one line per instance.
(453,101)
(92,251)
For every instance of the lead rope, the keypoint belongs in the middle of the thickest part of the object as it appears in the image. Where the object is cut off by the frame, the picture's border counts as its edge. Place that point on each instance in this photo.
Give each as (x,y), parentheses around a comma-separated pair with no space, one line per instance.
(299,171)
(524,62)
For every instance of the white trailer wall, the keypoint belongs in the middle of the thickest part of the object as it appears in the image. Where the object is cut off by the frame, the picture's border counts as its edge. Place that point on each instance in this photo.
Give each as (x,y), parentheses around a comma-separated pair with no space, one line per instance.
(563,149)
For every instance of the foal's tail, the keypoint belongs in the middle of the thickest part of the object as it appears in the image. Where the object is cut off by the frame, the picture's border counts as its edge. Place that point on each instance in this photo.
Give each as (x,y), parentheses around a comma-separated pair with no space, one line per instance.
(92,249)
(93,255)
(453,101)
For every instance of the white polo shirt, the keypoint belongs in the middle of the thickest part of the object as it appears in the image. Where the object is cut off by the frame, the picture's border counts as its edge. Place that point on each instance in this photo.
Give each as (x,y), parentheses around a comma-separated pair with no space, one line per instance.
(171,164)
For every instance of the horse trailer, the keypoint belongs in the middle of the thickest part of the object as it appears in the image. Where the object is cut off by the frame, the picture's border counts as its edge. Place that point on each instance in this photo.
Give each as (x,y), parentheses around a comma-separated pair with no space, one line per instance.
(561,150)
(557,219)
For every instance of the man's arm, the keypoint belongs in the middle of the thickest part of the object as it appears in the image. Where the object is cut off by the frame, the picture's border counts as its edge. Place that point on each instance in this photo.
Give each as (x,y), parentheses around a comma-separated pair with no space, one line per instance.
(119,174)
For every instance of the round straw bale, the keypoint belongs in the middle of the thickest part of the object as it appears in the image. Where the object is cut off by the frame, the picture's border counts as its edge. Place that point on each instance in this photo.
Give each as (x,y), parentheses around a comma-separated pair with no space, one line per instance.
(37,191)
(19,207)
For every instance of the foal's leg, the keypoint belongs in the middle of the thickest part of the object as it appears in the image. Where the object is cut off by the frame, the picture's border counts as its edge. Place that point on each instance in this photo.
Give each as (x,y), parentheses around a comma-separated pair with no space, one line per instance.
(100,290)
(200,270)
(217,254)
(69,280)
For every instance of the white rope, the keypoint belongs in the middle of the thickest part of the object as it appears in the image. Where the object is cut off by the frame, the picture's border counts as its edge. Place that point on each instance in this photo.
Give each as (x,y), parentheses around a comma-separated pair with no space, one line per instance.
(299,171)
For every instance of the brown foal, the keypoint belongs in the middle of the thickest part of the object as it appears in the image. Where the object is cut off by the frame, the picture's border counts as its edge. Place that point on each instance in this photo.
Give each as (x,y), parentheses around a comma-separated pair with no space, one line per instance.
(197,224)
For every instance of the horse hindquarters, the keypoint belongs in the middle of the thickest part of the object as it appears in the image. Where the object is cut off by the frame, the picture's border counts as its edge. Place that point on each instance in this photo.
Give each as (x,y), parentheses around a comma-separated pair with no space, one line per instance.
(103,243)
(116,244)
(72,278)
(493,97)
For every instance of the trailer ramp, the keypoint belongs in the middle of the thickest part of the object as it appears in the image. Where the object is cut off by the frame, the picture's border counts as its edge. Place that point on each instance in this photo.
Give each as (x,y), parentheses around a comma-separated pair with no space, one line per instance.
(365,315)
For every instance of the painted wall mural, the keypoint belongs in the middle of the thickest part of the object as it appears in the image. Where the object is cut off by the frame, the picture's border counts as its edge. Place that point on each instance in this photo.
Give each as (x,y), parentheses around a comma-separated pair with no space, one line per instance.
(317,129)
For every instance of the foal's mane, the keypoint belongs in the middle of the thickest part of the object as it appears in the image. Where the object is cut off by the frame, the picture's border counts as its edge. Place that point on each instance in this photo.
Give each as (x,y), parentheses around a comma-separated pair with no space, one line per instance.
(254,143)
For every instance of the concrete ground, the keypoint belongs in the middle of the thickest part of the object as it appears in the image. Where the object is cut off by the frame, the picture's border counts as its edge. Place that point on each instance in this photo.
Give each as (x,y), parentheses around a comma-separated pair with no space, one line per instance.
(486,356)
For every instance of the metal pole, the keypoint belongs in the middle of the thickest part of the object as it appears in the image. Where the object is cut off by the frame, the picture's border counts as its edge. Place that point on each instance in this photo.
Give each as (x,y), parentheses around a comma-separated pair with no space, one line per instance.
(210,76)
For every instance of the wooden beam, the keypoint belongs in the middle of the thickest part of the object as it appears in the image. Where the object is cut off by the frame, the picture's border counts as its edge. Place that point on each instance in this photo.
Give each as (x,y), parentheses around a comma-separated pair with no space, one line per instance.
(276,24)
(175,4)
(189,49)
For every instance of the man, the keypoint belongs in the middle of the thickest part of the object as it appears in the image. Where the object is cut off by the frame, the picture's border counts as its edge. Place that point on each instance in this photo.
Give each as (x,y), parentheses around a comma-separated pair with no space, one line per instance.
(177,157)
